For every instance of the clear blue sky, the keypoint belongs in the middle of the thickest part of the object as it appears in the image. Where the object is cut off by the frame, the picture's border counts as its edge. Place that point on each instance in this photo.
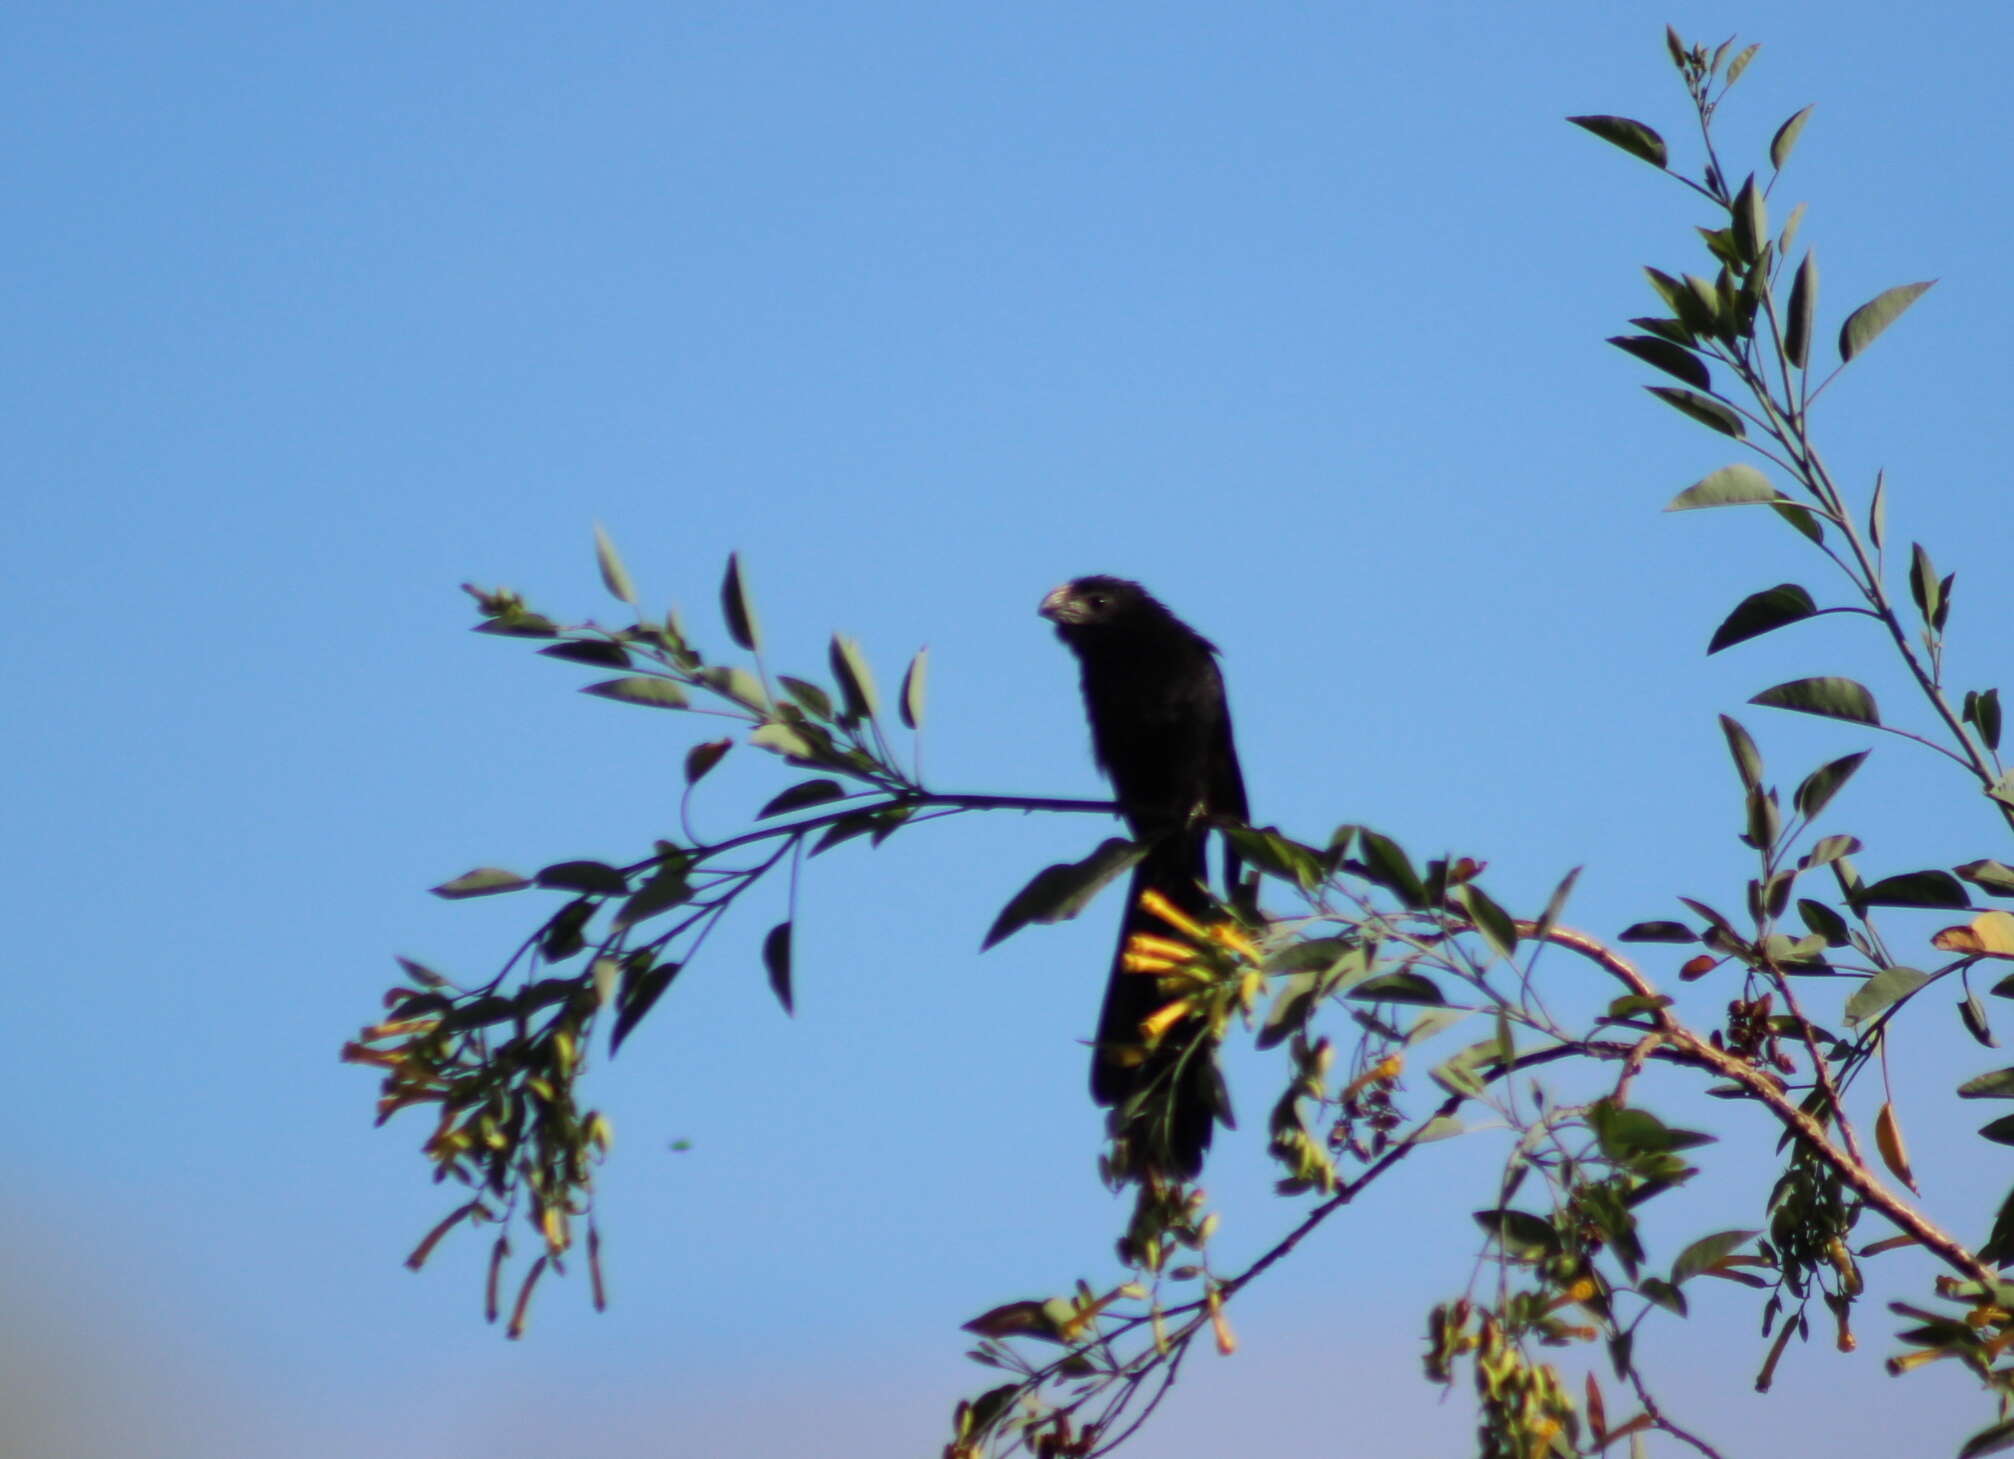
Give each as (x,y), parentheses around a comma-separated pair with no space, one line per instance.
(1293,312)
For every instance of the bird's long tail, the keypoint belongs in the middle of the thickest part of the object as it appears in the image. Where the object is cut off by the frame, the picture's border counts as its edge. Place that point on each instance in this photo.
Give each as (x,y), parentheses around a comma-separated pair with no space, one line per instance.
(1166,1100)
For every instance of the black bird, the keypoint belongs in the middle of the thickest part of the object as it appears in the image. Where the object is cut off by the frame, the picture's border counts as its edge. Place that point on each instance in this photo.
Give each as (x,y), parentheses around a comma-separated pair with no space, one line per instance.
(1161,731)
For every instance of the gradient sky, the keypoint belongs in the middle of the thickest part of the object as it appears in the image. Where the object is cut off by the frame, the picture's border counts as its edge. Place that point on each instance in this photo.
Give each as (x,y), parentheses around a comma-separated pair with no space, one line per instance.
(1293,312)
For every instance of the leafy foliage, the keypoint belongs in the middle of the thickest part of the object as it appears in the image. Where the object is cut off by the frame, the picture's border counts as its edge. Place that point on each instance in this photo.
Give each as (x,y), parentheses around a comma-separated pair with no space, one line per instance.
(1370,966)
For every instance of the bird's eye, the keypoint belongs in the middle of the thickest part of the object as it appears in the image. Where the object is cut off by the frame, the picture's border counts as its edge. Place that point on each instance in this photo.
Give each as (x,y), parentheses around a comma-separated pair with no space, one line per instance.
(1096,600)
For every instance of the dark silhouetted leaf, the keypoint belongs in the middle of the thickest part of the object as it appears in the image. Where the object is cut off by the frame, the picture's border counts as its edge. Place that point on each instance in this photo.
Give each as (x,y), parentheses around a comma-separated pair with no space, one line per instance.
(1387,865)
(1882,991)
(1916,889)
(1496,925)
(1982,712)
(1278,855)
(1632,136)
(1997,1085)
(1823,783)
(855,678)
(1058,893)
(1829,697)
(813,700)
(1972,1013)
(1400,987)
(1555,904)
(1666,356)
(643,983)
(1704,409)
(1995,1439)
(1750,220)
(2000,1131)
(804,793)
(596,877)
(703,757)
(1865,324)
(776,962)
(666,888)
(597,651)
(1803,310)
(1761,612)
(738,608)
(1747,759)
(640,689)
(1823,921)
(1522,1234)
(1657,932)
(1736,485)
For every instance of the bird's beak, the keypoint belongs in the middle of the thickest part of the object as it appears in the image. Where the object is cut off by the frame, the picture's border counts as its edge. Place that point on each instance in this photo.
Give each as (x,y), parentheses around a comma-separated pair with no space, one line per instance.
(1056,607)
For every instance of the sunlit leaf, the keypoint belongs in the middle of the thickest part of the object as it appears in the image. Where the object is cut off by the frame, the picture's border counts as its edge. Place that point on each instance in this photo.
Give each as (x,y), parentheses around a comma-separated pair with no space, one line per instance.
(911,703)
(1705,1254)
(1786,138)
(1882,991)
(614,576)
(484,881)
(1990,934)
(640,689)
(1736,485)
(855,678)
(1865,324)
(1632,136)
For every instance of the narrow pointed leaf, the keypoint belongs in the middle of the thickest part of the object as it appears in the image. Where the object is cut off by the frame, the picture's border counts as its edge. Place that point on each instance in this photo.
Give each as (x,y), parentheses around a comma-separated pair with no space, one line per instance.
(1747,759)
(738,607)
(776,962)
(1736,485)
(1759,613)
(1058,893)
(1915,889)
(1922,581)
(597,877)
(1667,357)
(911,704)
(1883,991)
(1823,783)
(703,757)
(1864,325)
(1990,876)
(1790,227)
(1877,511)
(643,983)
(1786,138)
(484,881)
(800,795)
(597,651)
(1803,308)
(640,689)
(1829,697)
(1657,932)
(1632,136)
(1751,221)
(856,679)
(614,576)
(1704,409)
(1706,1253)
(1740,63)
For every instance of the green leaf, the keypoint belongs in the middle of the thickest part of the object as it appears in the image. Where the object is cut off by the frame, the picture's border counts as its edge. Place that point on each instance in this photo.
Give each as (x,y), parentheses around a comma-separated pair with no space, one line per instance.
(1864,325)
(1982,712)
(813,700)
(783,740)
(1997,1085)
(1829,698)
(1058,893)
(1803,309)
(1916,889)
(1883,991)
(737,684)
(1740,63)
(855,678)
(1786,138)
(1521,1234)
(1496,925)
(1830,848)
(1736,485)
(519,624)
(652,692)
(1663,1294)
(776,962)
(596,877)
(1799,517)
(1657,932)
(1277,855)
(1401,987)
(1790,226)
(1632,136)
(1877,510)
(614,576)
(1705,1254)
(1760,613)
(484,881)
(1555,904)
(1922,582)
(1995,1439)
(1823,921)
(804,793)
(1666,356)
(1990,876)
(703,757)
(1823,783)
(2000,1131)
(1972,1013)
(1704,409)
(911,702)
(1386,864)
(738,608)
(1751,221)
(1747,759)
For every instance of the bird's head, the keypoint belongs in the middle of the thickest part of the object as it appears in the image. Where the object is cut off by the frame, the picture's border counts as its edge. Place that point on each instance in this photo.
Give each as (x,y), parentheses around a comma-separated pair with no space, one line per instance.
(1095,602)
